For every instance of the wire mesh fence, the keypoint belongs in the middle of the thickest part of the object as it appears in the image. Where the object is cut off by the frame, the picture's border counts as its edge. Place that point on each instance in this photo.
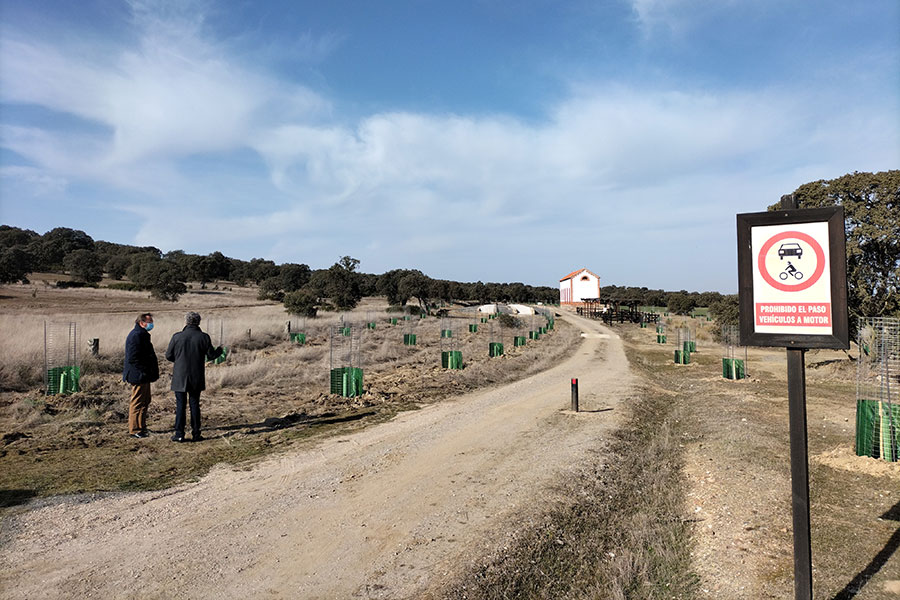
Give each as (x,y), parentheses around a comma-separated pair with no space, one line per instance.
(734,356)
(878,388)
(495,345)
(62,360)
(683,346)
(345,359)
(296,329)
(215,328)
(451,355)
(409,331)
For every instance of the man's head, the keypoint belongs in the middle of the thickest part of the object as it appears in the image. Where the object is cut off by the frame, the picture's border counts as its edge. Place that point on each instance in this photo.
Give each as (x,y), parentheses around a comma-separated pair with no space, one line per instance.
(192,318)
(145,320)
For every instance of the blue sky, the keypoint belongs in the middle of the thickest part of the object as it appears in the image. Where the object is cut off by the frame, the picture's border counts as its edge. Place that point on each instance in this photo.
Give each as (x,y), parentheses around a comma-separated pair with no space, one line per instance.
(486,139)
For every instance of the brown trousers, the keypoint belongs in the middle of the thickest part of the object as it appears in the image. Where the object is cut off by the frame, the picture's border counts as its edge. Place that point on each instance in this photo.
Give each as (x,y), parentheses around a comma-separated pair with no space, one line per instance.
(137,409)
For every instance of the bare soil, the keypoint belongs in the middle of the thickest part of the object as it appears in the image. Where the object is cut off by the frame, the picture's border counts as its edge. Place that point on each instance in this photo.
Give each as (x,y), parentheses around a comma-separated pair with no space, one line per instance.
(384,513)
(737,463)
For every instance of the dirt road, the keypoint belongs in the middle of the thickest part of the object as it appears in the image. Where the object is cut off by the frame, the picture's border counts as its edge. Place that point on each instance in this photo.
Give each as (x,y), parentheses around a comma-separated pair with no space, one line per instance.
(383,513)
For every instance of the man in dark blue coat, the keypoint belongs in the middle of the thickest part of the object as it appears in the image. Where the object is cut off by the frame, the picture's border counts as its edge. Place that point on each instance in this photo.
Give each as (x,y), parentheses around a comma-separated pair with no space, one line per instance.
(189,349)
(140,370)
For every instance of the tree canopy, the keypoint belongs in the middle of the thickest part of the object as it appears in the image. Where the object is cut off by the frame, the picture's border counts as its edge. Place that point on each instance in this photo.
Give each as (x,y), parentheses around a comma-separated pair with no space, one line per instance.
(871,204)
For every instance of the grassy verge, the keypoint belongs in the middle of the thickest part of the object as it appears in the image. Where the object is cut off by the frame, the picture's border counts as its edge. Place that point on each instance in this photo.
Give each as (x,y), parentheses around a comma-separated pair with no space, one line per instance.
(620,530)
(89,462)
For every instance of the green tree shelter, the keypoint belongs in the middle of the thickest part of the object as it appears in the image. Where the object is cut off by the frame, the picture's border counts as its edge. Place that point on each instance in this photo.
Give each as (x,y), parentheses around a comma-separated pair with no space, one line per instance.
(871,204)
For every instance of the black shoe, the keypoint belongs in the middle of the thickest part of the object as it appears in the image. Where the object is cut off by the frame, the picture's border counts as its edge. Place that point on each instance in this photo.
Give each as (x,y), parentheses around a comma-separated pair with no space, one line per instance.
(140,434)
(178,438)
(197,438)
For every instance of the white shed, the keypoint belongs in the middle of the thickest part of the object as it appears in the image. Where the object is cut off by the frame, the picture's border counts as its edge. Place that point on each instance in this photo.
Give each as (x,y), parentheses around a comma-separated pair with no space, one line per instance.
(521,309)
(495,308)
(578,285)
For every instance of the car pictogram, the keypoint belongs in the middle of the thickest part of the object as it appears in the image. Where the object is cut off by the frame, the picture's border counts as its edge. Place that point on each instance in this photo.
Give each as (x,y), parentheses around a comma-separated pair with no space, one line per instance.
(790,249)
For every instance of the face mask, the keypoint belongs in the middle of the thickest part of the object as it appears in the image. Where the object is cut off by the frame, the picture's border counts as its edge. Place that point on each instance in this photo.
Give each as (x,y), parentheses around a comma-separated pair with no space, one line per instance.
(149,326)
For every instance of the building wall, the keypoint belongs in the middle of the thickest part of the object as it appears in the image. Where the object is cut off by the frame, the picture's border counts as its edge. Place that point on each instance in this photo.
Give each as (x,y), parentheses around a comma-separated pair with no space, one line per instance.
(574,289)
(565,291)
(586,289)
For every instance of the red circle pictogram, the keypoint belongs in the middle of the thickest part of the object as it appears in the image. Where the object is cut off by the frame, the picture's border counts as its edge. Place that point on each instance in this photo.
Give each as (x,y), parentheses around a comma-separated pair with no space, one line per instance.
(799,235)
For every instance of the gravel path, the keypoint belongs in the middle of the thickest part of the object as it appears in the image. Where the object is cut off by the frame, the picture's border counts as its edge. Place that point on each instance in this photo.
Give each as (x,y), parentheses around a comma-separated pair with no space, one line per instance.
(383,513)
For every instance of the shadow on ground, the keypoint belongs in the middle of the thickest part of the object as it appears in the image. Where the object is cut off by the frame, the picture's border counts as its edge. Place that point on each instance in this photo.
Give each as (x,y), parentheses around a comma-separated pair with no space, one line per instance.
(863,577)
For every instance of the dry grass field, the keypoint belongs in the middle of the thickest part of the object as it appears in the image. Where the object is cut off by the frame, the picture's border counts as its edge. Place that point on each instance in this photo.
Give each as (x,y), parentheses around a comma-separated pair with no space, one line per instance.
(268,393)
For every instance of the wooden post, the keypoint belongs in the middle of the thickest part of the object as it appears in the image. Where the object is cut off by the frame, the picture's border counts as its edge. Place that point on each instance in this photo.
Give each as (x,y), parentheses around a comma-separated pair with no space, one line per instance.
(796,371)
(796,379)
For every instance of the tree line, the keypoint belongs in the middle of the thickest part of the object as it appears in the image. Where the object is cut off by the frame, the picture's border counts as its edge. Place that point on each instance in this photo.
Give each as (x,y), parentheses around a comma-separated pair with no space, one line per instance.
(165,275)
(302,289)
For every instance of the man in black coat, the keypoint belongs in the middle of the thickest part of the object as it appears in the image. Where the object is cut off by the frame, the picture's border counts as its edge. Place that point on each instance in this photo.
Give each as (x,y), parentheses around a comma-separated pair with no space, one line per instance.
(140,370)
(189,349)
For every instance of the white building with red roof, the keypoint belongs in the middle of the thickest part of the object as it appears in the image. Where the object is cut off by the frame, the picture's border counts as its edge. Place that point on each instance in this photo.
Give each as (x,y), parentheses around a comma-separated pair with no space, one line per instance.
(578,285)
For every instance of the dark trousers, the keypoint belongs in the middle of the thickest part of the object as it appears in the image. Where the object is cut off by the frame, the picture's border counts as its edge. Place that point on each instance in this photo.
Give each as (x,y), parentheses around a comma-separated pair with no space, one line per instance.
(191,397)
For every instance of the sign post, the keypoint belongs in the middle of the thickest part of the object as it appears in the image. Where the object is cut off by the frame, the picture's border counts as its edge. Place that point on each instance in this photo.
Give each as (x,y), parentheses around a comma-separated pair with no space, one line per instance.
(792,280)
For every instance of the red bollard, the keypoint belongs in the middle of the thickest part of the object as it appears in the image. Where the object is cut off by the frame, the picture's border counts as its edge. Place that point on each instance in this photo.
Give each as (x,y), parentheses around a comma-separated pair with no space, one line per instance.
(574,394)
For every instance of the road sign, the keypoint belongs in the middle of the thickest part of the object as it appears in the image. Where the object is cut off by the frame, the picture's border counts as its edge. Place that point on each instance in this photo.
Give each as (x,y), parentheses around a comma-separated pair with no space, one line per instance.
(792,278)
(792,284)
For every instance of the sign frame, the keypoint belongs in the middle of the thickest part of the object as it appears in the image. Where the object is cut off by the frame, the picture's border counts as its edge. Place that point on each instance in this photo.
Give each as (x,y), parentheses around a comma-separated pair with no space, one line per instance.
(837,260)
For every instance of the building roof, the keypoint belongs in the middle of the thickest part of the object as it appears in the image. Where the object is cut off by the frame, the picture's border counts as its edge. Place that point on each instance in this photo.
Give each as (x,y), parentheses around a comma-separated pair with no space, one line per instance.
(574,273)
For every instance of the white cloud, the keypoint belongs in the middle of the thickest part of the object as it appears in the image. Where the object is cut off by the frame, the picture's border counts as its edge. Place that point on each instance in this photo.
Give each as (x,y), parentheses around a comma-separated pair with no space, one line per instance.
(678,17)
(41,182)
(603,139)
(174,95)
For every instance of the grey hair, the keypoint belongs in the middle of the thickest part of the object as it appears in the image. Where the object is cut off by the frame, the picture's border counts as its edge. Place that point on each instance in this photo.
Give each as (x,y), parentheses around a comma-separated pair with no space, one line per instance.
(192,318)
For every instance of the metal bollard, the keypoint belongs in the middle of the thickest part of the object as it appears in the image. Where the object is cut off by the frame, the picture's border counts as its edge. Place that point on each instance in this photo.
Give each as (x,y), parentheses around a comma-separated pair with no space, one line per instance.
(574,394)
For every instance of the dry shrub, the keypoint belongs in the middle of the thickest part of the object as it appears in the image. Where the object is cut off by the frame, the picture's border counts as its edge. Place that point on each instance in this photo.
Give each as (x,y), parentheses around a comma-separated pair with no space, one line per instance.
(383,352)
(29,412)
(20,376)
(112,362)
(237,375)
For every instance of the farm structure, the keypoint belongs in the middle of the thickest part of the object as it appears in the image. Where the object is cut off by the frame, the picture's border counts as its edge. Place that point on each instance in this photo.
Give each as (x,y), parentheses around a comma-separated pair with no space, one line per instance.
(615,310)
(578,286)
